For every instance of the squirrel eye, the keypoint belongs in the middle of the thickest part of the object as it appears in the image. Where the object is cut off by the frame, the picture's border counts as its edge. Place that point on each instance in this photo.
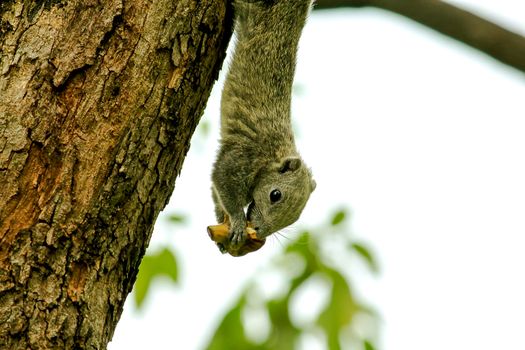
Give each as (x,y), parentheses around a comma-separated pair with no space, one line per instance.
(275,196)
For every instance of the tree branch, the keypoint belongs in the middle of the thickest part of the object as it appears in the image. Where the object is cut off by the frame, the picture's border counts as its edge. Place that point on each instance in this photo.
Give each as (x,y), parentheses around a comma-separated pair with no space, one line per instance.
(468,28)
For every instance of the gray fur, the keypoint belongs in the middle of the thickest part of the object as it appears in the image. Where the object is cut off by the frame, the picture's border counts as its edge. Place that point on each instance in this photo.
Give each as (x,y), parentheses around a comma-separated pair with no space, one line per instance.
(257,151)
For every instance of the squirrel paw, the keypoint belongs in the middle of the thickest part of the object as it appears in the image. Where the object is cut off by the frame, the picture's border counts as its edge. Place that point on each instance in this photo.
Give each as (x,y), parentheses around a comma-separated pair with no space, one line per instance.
(222,235)
(237,234)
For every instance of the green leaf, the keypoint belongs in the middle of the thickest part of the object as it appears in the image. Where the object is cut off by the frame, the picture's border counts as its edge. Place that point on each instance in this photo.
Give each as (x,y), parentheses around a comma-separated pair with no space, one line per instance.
(367,256)
(301,245)
(162,263)
(283,332)
(141,287)
(166,264)
(368,345)
(230,332)
(340,310)
(177,218)
(338,217)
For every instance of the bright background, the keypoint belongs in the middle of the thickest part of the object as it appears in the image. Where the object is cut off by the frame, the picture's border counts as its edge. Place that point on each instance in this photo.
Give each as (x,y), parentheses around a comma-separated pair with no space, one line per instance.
(422,138)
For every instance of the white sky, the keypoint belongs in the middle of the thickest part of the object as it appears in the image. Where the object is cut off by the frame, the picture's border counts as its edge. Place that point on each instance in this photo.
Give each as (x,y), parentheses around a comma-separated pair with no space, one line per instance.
(423,139)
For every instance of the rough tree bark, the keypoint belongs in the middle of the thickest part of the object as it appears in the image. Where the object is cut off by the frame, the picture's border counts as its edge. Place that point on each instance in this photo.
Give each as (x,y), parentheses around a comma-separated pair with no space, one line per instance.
(98,101)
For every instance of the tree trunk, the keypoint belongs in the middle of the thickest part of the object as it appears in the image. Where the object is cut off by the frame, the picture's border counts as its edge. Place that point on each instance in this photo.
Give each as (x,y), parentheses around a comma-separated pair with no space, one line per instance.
(98,101)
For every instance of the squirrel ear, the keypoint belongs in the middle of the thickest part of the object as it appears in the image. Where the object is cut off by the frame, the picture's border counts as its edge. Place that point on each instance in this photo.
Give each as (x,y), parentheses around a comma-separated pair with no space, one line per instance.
(290,164)
(313,185)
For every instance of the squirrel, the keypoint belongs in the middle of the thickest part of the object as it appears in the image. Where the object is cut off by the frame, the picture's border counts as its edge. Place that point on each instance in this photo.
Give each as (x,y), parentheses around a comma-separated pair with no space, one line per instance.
(257,165)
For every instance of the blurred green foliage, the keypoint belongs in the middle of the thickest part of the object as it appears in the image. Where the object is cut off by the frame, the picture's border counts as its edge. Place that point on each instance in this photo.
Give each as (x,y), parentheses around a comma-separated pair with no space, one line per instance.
(175,218)
(321,260)
(309,257)
(162,263)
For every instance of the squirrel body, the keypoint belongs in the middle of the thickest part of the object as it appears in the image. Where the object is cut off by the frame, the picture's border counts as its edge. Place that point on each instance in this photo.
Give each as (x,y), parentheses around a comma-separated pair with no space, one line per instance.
(258,165)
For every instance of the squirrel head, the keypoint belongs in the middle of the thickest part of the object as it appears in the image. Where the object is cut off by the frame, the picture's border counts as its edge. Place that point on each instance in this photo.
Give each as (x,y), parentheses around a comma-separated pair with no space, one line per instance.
(279,196)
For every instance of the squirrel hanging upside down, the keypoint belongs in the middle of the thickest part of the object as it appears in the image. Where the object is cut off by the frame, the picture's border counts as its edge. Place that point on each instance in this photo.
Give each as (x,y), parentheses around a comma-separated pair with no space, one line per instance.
(258,165)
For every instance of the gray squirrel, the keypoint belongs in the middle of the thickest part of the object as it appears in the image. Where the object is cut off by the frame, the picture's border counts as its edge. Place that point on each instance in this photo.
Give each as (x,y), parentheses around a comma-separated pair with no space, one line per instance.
(257,165)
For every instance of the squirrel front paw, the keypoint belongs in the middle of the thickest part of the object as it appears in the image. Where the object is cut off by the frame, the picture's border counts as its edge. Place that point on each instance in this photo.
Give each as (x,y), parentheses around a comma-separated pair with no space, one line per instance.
(220,234)
(237,233)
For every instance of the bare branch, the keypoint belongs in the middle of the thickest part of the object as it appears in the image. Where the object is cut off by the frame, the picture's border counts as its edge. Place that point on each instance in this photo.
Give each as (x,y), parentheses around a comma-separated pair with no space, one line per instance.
(499,43)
